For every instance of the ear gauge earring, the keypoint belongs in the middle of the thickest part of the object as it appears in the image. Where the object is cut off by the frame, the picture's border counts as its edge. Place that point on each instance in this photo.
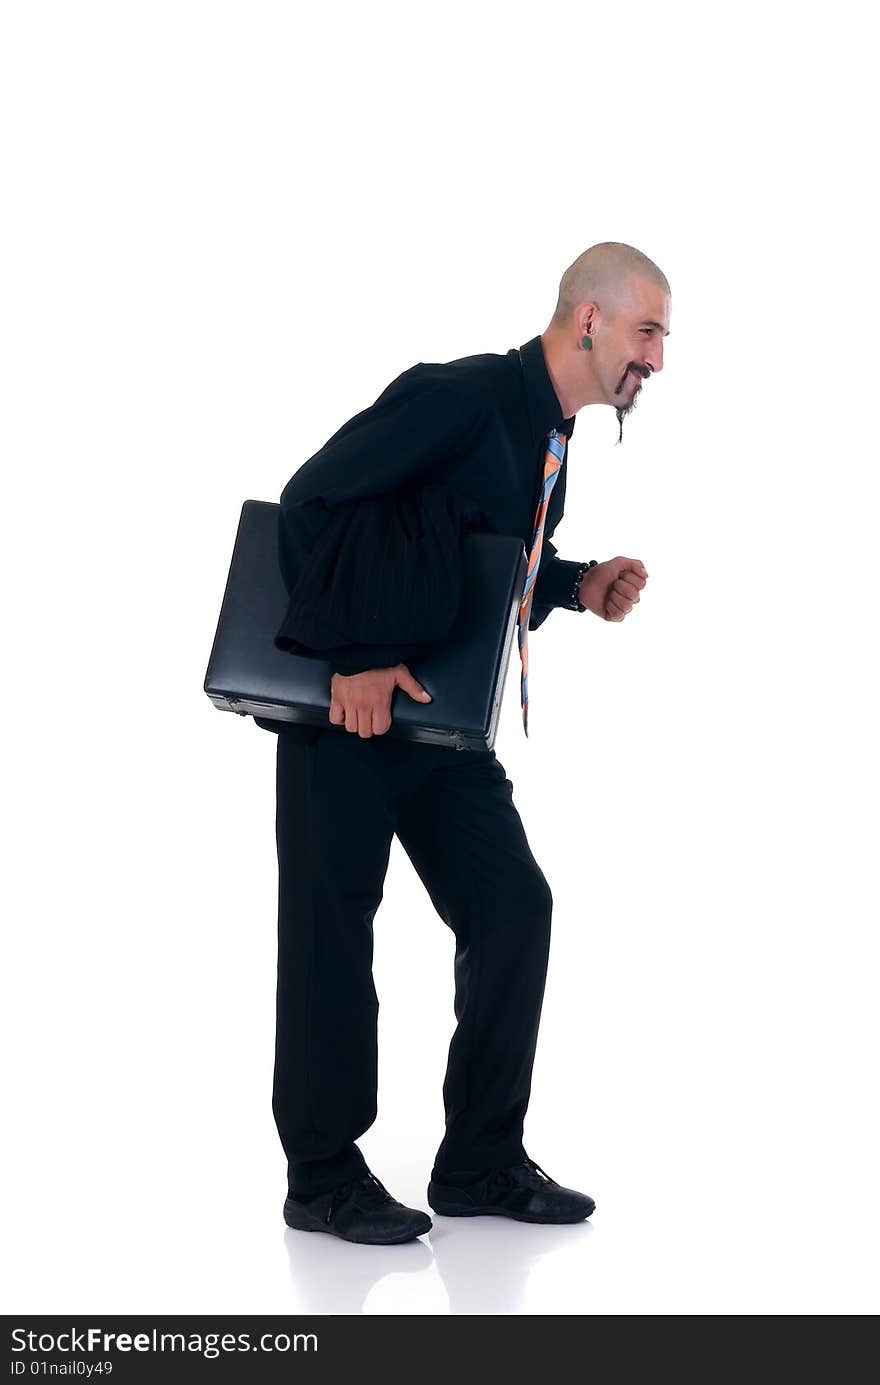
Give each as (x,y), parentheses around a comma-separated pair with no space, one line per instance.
(587,342)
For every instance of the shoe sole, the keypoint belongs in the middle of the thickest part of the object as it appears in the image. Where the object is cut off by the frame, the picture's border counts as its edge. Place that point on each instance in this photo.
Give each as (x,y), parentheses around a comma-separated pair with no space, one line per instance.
(453,1211)
(301,1221)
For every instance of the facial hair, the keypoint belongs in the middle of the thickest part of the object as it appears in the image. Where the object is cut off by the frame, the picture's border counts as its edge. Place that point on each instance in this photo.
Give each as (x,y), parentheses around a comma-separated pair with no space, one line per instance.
(623,409)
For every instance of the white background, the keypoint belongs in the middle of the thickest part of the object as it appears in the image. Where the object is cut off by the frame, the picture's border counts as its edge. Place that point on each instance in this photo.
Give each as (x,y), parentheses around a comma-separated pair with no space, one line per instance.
(227,228)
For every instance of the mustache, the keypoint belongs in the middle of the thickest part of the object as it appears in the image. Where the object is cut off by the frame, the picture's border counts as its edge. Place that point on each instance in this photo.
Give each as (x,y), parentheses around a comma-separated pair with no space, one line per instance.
(641,370)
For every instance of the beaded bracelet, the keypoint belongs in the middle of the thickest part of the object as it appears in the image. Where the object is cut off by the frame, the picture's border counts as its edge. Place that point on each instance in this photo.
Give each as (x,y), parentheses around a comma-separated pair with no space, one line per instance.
(576,603)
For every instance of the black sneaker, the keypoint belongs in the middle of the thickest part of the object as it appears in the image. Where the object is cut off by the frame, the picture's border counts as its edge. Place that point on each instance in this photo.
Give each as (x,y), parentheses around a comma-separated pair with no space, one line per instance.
(524,1192)
(362,1210)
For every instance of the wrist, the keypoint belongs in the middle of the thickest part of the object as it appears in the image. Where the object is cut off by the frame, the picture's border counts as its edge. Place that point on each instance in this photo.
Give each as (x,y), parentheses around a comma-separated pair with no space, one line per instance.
(576,602)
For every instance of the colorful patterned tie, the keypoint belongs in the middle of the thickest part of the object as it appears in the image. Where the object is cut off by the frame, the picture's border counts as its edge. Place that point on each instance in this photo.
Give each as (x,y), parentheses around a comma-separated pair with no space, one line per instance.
(552,462)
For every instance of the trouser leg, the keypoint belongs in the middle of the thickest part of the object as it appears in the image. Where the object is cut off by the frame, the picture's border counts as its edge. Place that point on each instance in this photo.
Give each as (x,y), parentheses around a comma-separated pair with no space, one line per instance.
(466,840)
(333,831)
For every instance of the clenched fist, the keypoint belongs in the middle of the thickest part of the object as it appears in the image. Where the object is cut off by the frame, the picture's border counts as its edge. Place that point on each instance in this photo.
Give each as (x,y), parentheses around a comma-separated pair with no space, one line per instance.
(611,589)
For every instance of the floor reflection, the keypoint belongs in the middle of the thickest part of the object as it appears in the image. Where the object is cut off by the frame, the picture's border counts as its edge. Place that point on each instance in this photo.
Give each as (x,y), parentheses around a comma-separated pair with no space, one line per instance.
(484,1265)
(486,1262)
(335,1277)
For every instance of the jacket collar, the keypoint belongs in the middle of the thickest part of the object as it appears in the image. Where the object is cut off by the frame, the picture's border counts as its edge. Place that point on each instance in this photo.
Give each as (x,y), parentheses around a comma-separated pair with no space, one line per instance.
(545,410)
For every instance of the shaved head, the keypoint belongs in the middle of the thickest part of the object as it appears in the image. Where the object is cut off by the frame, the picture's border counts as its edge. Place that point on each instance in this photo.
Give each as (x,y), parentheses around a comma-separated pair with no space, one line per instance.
(602,275)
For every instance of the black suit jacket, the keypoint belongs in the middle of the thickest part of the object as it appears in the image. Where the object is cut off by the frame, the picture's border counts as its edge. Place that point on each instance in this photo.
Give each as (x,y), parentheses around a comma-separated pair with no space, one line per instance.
(371,526)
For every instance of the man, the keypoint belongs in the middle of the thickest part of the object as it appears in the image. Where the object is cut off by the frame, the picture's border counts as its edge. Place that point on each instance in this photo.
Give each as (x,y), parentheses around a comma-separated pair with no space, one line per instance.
(370,532)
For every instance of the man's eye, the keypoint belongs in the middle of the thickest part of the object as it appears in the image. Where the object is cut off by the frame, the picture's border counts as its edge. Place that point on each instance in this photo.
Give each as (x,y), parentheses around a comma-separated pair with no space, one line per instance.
(649,330)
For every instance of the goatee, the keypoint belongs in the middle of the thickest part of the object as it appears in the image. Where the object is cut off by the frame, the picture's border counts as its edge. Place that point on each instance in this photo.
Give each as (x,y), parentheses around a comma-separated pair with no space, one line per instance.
(623,409)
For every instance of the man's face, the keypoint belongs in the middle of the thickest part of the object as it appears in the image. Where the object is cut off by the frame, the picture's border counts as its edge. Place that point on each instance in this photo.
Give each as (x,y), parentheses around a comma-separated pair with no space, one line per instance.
(632,345)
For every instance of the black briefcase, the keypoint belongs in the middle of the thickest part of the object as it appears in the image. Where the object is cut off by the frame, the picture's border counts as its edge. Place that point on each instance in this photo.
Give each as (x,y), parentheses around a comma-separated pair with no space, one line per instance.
(465,674)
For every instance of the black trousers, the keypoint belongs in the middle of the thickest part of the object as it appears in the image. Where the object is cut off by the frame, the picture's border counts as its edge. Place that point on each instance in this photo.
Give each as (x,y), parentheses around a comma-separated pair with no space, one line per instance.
(340,800)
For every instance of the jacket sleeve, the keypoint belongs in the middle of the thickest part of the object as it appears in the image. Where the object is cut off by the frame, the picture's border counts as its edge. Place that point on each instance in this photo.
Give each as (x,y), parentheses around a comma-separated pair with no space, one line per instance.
(383,581)
(369,532)
(553,585)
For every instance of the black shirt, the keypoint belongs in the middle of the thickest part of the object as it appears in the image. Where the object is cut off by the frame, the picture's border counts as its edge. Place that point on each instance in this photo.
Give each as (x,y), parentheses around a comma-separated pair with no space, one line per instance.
(370,526)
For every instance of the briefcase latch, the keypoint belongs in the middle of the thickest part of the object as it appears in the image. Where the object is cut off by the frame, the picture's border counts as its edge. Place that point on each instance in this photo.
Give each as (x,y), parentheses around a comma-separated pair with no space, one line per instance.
(457,740)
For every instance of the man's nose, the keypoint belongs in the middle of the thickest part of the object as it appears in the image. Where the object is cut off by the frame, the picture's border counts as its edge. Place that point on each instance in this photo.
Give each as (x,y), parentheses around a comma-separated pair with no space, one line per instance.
(654,358)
